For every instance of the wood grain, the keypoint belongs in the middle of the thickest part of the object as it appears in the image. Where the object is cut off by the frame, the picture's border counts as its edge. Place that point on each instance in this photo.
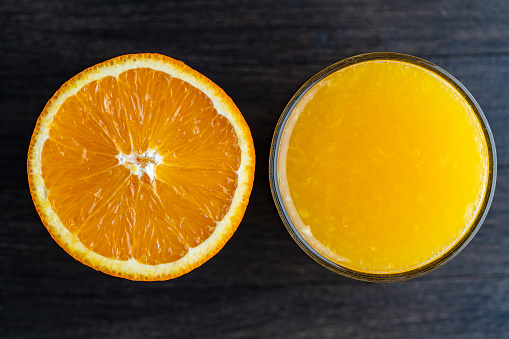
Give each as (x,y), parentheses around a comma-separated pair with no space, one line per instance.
(261,284)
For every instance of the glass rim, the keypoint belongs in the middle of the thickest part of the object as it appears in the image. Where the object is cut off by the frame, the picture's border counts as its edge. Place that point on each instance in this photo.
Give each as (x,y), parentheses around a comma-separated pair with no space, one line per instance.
(460,244)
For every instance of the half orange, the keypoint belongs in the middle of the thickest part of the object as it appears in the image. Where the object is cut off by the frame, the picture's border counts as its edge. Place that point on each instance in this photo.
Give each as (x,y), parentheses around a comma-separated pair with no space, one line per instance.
(141,167)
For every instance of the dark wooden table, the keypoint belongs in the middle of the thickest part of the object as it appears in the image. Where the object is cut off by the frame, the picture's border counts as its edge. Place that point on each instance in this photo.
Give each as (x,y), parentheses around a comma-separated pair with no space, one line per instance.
(261,284)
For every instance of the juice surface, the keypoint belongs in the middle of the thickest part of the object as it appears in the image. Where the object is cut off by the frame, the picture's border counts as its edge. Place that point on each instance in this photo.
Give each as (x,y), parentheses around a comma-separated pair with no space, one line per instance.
(383,166)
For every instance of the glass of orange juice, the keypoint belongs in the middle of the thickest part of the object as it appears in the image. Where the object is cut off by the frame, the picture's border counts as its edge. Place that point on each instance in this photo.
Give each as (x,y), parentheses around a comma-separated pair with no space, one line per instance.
(382,167)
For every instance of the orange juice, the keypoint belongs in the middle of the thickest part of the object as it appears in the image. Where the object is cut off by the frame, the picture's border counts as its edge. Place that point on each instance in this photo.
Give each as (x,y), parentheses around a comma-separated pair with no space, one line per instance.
(383,166)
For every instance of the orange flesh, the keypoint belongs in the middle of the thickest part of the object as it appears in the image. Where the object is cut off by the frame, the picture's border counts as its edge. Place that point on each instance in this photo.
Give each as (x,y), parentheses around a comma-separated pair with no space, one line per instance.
(386,166)
(115,207)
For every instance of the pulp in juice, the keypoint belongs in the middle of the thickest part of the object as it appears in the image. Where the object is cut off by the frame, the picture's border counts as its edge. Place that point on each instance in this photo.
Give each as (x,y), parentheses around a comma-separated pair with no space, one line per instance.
(383,166)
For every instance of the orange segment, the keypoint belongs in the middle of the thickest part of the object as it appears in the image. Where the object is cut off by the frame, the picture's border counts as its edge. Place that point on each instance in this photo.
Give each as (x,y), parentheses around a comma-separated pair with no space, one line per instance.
(193,224)
(101,100)
(79,164)
(141,167)
(156,238)
(209,145)
(138,92)
(75,201)
(204,188)
(109,230)
(77,128)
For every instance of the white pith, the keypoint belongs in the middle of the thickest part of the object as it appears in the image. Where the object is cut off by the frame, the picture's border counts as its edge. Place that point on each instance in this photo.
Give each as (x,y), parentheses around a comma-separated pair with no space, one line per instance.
(140,164)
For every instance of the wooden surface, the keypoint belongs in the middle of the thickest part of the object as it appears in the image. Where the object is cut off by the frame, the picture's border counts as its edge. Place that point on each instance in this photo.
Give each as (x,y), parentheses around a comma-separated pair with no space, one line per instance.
(261,284)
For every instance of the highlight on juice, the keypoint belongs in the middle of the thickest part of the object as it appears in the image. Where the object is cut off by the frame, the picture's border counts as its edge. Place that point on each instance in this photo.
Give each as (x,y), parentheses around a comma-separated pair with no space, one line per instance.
(383,167)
